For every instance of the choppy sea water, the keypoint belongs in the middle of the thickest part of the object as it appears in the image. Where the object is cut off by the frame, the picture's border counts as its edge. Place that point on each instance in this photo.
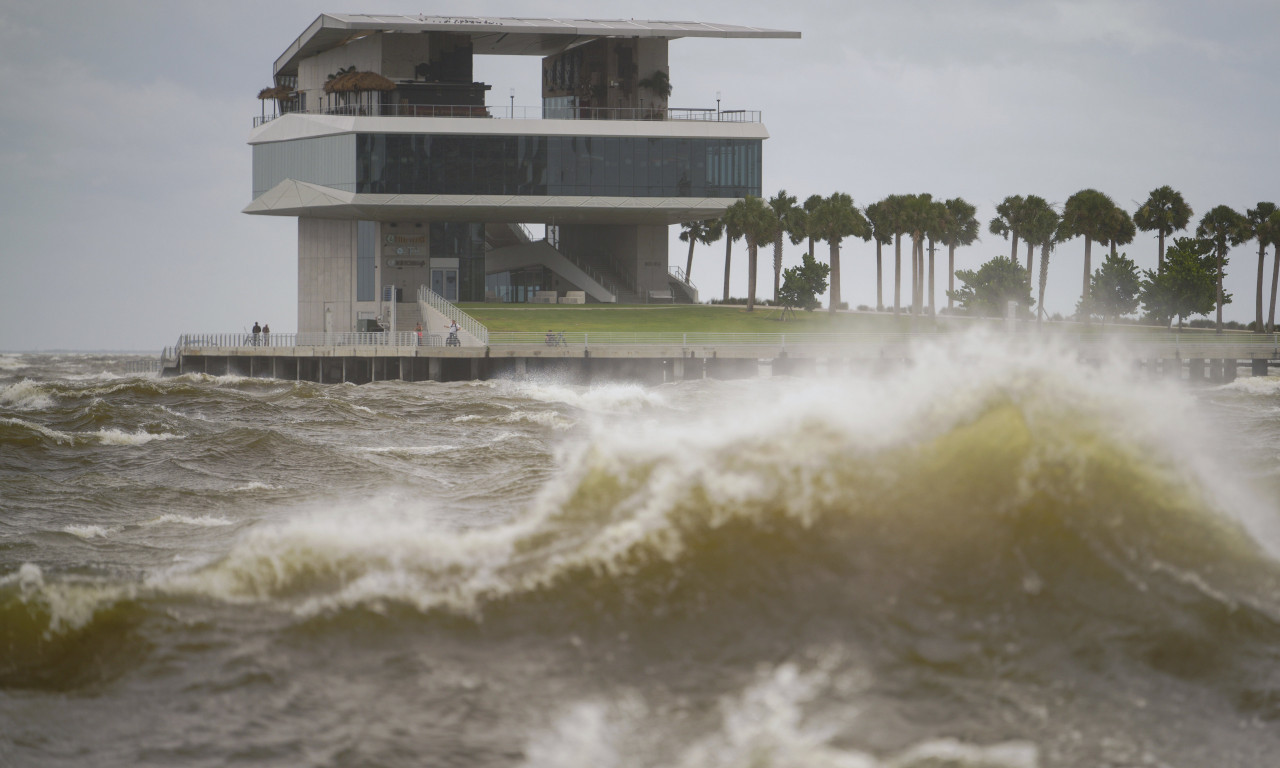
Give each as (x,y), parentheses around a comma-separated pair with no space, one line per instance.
(983,559)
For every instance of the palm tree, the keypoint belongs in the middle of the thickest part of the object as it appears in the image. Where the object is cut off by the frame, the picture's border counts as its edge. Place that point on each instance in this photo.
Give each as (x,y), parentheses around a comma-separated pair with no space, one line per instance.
(960,227)
(706,232)
(784,210)
(1273,224)
(1121,230)
(1224,227)
(918,212)
(1088,214)
(1041,228)
(1260,228)
(756,222)
(938,223)
(834,220)
(1035,209)
(1164,212)
(731,233)
(878,218)
(895,215)
(1008,221)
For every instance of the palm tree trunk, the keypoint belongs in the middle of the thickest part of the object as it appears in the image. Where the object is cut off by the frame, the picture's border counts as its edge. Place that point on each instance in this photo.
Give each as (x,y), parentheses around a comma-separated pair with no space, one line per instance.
(897,274)
(1220,250)
(879,281)
(1262,261)
(932,309)
(688,267)
(777,265)
(915,273)
(1084,294)
(1160,264)
(728,249)
(752,252)
(1031,248)
(1044,279)
(920,277)
(1013,252)
(1275,275)
(835,274)
(951,275)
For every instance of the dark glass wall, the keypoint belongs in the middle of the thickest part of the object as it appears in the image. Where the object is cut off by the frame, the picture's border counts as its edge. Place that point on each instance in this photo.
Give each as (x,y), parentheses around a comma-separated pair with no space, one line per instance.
(464,242)
(556,165)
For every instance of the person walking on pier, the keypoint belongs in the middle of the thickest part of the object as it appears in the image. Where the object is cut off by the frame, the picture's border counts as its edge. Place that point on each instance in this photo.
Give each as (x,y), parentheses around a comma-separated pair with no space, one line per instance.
(257,329)
(418,330)
(266,335)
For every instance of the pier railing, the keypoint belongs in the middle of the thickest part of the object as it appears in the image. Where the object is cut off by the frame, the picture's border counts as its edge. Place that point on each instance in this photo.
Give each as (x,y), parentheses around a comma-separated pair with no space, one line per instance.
(698,114)
(315,339)
(1144,345)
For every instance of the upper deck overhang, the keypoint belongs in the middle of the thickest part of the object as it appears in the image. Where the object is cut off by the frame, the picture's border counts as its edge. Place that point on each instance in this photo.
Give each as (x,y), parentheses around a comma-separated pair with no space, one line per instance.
(299,198)
(503,36)
(296,126)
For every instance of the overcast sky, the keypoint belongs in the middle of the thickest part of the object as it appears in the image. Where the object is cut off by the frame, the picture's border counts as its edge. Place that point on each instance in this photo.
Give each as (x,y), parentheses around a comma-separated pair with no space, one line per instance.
(124,167)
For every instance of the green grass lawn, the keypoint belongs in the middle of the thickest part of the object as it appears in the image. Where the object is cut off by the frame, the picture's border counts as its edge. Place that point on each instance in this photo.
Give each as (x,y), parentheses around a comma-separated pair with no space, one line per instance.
(693,318)
(704,318)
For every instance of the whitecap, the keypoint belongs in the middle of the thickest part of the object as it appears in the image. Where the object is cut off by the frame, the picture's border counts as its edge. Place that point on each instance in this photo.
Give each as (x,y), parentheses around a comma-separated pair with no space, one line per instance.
(26,395)
(140,437)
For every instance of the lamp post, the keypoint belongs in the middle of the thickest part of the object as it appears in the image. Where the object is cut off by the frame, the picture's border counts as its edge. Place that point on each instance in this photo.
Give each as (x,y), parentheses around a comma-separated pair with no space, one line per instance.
(512,93)
(717,105)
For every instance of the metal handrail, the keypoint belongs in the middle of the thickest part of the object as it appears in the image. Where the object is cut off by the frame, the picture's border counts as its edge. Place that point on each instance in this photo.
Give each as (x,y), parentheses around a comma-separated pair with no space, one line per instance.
(308,339)
(697,114)
(443,306)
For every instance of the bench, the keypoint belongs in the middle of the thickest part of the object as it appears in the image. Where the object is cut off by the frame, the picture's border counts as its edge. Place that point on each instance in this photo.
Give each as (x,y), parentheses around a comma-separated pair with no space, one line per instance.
(544,297)
(574,297)
(666,295)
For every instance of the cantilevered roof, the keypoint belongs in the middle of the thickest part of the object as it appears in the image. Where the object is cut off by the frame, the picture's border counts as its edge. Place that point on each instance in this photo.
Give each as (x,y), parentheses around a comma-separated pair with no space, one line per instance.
(498,35)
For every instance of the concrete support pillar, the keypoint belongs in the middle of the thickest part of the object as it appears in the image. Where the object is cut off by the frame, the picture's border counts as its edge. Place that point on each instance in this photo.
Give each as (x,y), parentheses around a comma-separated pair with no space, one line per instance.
(1215,370)
(475,369)
(1195,369)
(1229,369)
(522,367)
(435,370)
(677,369)
(1259,366)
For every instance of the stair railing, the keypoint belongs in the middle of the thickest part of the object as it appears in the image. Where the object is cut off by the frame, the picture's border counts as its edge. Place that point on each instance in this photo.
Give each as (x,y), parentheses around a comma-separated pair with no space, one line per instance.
(443,306)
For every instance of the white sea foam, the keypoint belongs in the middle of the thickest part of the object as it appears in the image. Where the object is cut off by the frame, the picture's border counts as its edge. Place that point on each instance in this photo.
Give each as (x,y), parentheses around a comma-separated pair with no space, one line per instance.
(412,450)
(545,418)
(71,604)
(26,395)
(52,434)
(12,363)
(140,437)
(604,398)
(1254,385)
(202,521)
(772,723)
(91,531)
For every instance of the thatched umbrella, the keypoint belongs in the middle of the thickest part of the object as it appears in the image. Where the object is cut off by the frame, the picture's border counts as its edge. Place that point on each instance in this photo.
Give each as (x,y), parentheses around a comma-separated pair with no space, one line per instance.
(359,82)
(279,93)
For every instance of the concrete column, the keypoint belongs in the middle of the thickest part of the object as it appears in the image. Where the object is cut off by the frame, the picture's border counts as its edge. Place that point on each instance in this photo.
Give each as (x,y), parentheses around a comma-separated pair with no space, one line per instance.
(1259,367)
(435,371)
(1215,370)
(677,369)
(522,367)
(1229,369)
(475,369)
(1195,369)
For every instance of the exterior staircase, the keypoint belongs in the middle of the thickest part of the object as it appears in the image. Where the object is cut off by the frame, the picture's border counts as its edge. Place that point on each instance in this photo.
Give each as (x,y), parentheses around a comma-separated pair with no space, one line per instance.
(439,314)
(540,252)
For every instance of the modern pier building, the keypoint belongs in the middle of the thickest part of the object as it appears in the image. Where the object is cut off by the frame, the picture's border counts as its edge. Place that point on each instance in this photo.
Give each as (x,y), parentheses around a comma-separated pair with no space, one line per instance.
(377,138)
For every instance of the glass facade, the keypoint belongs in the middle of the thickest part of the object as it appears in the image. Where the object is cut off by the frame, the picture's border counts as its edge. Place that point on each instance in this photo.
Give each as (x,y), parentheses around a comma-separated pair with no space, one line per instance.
(464,242)
(556,165)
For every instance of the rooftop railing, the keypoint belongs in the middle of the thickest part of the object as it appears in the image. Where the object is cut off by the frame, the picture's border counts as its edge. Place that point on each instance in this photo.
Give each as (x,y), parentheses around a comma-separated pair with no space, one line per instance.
(530,113)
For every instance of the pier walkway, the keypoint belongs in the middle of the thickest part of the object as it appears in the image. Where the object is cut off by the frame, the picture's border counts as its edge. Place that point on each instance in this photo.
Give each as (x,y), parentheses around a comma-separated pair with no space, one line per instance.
(658,357)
